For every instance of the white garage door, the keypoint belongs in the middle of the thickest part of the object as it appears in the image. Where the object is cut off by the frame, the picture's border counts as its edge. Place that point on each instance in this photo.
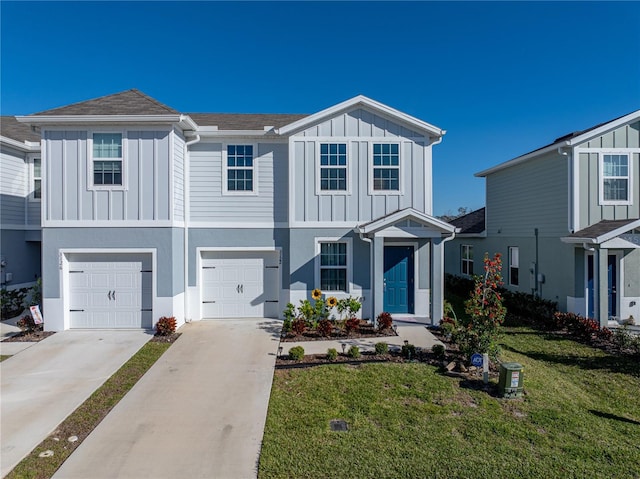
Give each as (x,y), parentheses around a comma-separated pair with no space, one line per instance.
(240,284)
(108,294)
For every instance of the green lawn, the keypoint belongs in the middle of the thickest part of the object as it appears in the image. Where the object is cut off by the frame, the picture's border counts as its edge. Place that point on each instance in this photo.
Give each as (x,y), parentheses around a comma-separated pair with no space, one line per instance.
(580,418)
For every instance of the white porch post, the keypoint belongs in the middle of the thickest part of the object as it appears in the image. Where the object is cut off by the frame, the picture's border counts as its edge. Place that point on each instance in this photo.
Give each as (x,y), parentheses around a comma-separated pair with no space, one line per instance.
(437,280)
(377,282)
(603,287)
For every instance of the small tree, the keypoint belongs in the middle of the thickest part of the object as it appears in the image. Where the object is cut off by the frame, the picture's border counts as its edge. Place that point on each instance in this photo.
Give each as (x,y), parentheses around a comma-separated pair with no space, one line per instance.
(478,331)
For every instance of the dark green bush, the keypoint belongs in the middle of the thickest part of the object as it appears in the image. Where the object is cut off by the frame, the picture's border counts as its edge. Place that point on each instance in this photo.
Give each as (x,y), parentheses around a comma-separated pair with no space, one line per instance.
(438,350)
(296,353)
(354,352)
(12,302)
(408,351)
(382,348)
(332,354)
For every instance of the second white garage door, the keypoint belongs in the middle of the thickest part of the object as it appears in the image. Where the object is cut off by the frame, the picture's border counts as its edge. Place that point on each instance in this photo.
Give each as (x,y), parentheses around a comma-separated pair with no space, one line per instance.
(240,284)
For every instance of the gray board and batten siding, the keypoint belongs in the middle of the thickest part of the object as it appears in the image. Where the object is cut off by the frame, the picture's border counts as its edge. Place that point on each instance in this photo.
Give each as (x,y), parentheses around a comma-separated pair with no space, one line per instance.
(590,209)
(70,196)
(209,202)
(359,129)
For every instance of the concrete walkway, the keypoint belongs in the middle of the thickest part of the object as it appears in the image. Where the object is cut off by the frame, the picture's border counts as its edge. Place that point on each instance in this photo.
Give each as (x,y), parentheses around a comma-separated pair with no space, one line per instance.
(46,382)
(199,412)
(415,333)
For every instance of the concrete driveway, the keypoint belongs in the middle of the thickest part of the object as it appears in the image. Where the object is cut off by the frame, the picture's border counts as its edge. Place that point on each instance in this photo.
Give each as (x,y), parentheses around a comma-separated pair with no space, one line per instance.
(43,384)
(199,412)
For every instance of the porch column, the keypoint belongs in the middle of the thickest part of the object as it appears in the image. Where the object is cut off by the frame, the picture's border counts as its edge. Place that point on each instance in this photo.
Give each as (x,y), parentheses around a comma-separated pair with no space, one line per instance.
(603,287)
(377,282)
(437,280)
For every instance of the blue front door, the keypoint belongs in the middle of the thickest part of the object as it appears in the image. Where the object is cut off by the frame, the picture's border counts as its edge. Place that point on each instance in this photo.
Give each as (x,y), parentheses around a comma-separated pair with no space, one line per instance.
(612,273)
(398,279)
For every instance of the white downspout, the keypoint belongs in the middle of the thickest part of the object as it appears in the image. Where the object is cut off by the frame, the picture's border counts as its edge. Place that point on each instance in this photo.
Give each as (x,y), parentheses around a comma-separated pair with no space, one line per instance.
(187,212)
(453,235)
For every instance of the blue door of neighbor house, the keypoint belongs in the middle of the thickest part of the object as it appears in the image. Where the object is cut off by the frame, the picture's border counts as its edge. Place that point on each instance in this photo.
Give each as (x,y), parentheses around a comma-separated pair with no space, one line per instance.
(612,274)
(591,304)
(398,279)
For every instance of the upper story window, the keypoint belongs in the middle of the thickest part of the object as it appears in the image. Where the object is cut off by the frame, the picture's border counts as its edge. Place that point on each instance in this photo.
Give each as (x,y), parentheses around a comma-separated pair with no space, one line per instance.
(466,259)
(37,179)
(386,167)
(333,167)
(514,265)
(240,167)
(107,159)
(615,178)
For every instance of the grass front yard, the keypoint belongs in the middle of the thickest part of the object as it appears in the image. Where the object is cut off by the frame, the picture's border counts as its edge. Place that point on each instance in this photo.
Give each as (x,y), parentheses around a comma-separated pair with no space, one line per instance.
(580,418)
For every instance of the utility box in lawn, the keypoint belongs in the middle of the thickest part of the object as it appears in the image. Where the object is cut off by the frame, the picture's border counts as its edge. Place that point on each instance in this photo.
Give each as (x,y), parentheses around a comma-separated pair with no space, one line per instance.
(511,379)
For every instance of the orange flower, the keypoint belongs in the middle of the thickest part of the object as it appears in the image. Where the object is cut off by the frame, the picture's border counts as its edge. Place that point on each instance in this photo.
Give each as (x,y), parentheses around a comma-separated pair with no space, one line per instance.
(316,294)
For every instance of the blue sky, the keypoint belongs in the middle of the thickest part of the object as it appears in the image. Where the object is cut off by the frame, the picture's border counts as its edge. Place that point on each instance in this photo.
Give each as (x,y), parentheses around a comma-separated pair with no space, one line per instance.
(502,78)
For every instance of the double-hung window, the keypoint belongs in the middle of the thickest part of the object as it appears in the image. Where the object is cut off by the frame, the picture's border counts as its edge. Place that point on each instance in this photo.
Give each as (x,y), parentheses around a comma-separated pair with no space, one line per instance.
(240,167)
(333,167)
(333,266)
(615,178)
(466,259)
(107,159)
(514,265)
(37,179)
(386,167)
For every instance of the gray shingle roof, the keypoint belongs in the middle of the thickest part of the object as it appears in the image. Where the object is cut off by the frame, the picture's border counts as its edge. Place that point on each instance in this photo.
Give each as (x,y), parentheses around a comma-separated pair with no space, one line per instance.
(244,121)
(11,128)
(130,102)
(601,228)
(471,223)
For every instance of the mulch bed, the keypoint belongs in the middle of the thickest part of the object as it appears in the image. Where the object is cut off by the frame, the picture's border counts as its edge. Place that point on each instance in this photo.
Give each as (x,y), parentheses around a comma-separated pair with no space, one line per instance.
(25,337)
(169,338)
(366,330)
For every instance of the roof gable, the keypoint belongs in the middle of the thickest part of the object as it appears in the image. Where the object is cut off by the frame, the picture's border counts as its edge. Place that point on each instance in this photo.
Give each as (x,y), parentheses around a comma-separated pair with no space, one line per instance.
(365,103)
(129,102)
(409,215)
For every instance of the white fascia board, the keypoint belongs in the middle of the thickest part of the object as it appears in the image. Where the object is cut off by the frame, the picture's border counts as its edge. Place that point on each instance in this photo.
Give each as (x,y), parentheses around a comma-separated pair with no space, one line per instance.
(361,100)
(605,128)
(73,119)
(605,237)
(403,215)
(187,123)
(522,159)
(27,146)
(208,132)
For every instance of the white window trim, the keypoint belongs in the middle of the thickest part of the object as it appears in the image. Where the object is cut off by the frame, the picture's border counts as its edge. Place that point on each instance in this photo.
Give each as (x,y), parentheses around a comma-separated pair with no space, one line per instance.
(467,260)
(349,242)
(319,167)
(400,189)
(225,169)
(601,177)
(510,249)
(32,177)
(91,159)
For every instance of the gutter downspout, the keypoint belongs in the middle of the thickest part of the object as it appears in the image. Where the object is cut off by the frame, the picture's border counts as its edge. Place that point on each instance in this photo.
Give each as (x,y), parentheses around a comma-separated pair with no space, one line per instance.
(441,279)
(187,204)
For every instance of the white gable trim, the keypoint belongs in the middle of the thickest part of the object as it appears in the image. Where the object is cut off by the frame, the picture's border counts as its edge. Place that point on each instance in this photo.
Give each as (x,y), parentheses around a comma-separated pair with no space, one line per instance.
(368,103)
(408,213)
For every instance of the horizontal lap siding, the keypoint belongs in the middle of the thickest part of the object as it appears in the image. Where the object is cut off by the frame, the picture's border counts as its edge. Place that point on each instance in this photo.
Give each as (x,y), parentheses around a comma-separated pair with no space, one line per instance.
(208,201)
(146,174)
(529,195)
(13,187)
(359,129)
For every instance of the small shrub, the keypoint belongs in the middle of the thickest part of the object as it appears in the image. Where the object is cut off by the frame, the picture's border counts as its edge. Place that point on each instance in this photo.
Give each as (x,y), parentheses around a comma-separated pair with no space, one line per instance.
(325,327)
(354,352)
(296,353)
(438,350)
(299,326)
(286,325)
(382,348)
(384,321)
(622,338)
(408,351)
(352,325)
(26,324)
(12,302)
(166,326)
(332,354)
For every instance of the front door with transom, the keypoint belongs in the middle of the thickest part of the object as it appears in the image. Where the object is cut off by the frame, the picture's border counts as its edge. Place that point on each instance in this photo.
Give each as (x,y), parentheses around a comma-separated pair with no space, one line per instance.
(398,279)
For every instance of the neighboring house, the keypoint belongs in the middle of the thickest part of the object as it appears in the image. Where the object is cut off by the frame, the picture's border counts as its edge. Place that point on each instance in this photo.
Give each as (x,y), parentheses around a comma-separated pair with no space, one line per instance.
(19,204)
(566,219)
(149,212)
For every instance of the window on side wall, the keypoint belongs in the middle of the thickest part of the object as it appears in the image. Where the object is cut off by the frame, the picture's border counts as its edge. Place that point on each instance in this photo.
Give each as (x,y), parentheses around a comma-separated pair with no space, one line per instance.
(466,259)
(386,167)
(240,168)
(36,179)
(333,266)
(616,177)
(514,265)
(107,159)
(333,167)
